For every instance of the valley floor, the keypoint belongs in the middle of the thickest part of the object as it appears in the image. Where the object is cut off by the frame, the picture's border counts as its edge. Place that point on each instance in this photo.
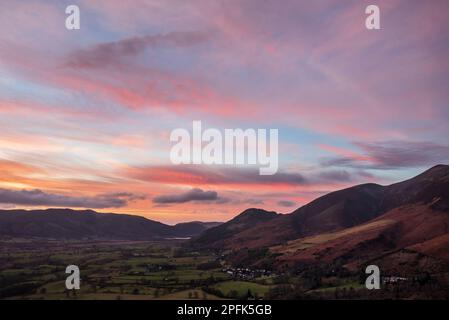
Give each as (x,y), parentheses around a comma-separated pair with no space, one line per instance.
(115,270)
(123,270)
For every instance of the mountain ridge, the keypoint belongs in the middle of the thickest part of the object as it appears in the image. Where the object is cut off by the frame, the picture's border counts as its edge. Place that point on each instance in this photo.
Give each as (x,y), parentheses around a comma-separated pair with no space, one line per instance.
(348,208)
(337,212)
(80,224)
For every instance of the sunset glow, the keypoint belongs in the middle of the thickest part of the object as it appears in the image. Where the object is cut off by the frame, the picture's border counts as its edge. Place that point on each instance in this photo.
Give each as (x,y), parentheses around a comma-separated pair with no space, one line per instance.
(86,115)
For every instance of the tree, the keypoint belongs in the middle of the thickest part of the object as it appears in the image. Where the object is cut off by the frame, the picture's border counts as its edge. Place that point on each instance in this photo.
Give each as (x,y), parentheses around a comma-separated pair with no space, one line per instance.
(233,294)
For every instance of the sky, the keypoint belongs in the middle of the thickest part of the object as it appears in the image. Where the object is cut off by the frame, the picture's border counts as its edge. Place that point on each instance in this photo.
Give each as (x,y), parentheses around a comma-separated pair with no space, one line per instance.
(86,115)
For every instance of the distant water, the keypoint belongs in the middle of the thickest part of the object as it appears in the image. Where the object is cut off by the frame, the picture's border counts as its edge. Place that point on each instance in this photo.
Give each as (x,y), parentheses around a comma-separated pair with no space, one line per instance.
(178,238)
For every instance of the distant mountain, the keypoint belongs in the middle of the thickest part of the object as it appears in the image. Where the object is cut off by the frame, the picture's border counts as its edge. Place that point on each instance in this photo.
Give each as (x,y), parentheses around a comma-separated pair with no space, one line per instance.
(71,224)
(353,225)
(400,223)
(189,229)
(248,219)
(334,211)
(353,206)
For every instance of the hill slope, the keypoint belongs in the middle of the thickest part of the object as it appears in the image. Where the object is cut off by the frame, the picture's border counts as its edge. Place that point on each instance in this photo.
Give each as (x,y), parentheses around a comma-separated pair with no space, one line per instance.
(358,223)
(71,224)
(247,220)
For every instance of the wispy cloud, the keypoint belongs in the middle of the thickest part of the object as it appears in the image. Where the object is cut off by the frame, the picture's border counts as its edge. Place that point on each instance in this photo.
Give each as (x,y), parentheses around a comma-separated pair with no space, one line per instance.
(394,154)
(39,198)
(76,108)
(286,203)
(111,53)
(212,175)
(335,175)
(195,194)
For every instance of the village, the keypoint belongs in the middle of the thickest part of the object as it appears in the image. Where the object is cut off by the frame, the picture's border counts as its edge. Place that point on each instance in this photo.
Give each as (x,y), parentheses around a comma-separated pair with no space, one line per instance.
(246,273)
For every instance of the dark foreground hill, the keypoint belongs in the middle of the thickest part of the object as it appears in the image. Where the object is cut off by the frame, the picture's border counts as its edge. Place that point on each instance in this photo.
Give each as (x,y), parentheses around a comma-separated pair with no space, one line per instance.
(247,220)
(352,226)
(71,224)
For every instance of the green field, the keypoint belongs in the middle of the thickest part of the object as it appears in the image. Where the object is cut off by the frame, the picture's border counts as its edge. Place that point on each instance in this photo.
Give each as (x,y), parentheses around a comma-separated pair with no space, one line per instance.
(239,289)
(115,271)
